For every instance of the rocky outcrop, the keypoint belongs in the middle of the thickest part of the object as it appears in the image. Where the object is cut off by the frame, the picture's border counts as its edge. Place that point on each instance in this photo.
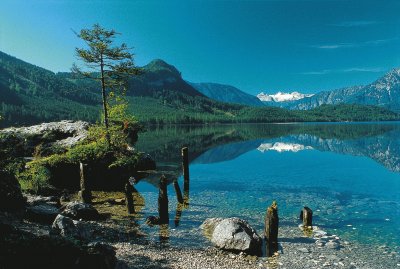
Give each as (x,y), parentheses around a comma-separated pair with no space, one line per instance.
(50,137)
(68,227)
(234,234)
(11,198)
(64,226)
(79,210)
(43,213)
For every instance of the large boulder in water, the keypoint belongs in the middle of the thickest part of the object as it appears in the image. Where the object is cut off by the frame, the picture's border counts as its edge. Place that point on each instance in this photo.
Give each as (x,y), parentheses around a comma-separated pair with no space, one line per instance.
(11,198)
(233,234)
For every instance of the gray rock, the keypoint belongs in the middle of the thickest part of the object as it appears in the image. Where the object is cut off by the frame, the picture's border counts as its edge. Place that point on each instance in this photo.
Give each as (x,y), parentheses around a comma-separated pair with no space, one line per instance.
(208,226)
(79,210)
(236,235)
(64,226)
(68,227)
(63,134)
(33,200)
(42,212)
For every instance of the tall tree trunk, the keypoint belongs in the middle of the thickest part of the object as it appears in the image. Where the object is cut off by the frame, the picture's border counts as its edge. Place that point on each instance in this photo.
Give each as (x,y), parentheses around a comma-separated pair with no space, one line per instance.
(104,96)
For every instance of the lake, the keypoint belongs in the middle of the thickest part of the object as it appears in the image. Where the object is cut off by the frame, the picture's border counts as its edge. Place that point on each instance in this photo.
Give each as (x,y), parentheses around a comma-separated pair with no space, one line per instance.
(347,173)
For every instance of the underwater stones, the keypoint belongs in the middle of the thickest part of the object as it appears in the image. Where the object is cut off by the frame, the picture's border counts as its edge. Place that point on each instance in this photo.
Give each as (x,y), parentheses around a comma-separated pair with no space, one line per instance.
(235,235)
(79,210)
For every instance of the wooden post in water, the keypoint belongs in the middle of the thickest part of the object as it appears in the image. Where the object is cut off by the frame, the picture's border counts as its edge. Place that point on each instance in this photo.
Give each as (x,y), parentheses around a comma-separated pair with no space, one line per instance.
(178,192)
(306,217)
(271,229)
(129,198)
(185,164)
(185,170)
(178,214)
(163,201)
(84,194)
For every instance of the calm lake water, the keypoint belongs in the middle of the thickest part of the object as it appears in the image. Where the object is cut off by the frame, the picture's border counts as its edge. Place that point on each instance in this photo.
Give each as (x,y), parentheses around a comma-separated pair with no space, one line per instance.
(349,174)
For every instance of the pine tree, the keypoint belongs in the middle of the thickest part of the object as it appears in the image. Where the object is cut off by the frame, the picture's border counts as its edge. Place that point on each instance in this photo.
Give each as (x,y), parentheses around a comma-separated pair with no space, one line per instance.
(103,61)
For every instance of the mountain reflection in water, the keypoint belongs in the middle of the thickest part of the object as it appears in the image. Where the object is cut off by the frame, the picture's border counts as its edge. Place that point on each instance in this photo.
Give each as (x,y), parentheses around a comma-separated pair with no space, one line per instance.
(212,144)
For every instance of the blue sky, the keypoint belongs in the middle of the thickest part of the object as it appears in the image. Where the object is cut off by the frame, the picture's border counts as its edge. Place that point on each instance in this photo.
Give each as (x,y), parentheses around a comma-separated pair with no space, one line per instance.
(254,45)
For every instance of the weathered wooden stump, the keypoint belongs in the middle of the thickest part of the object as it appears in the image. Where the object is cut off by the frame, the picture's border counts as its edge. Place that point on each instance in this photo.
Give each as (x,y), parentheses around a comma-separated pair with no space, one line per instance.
(185,164)
(164,234)
(306,217)
(84,194)
(178,214)
(163,201)
(271,229)
(178,192)
(129,198)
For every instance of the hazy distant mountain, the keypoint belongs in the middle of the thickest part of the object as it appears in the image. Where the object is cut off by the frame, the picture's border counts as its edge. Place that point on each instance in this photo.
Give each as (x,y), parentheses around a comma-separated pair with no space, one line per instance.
(282,97)
(384,92)
(227,94)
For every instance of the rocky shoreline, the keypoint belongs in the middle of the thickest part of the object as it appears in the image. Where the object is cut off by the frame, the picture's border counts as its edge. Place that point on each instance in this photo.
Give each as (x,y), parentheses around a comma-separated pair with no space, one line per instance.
(296,250)
(295,253)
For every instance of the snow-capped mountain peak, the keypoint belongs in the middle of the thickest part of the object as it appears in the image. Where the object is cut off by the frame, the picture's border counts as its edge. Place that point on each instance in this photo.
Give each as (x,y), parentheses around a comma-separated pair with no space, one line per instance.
(282,147)
(282,97)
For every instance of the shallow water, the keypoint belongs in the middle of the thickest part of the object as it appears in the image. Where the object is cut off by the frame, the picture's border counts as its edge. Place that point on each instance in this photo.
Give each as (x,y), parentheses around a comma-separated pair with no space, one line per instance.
(348,174)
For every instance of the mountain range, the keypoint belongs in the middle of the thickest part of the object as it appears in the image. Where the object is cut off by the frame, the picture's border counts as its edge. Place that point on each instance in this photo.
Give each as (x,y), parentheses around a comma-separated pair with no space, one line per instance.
(281,97)
(384,92)
(30,94)
(227,93)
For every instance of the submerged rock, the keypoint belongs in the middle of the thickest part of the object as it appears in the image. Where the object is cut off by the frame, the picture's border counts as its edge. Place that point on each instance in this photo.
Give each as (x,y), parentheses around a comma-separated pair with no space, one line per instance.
(79,210)
(235,235)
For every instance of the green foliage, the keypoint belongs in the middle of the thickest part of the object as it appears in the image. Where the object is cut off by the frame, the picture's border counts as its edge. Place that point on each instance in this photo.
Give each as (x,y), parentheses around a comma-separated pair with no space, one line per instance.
(96,150)
(167,111)
(158,96)
(35,178)
(114,64)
